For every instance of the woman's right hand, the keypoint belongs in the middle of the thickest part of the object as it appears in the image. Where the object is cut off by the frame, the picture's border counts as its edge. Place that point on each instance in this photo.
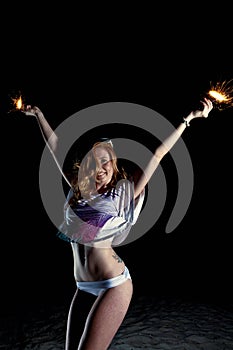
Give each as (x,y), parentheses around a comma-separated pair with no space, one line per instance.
(33,111)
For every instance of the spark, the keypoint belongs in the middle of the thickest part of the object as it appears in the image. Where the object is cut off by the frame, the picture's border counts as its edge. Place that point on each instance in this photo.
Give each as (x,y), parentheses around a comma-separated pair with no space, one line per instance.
(221,94)
(17,103)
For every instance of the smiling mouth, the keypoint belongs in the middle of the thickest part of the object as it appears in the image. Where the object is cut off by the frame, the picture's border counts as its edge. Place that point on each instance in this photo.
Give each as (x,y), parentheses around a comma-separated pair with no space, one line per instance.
(101,176)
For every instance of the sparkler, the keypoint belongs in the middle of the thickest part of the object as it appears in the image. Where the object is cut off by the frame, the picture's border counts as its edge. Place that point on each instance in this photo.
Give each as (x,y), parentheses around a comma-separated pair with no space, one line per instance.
(17,103)
(221,94)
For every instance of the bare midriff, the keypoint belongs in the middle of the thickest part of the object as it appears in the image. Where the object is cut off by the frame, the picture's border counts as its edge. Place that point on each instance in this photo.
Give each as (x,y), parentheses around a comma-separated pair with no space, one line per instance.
(97,264)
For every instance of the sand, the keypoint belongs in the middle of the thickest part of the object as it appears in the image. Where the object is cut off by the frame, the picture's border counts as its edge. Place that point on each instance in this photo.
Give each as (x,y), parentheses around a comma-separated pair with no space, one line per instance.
(163,323)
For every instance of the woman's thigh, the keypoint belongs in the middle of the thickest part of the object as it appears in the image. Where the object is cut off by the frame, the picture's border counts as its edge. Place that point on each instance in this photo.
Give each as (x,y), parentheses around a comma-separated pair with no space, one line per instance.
(80,306)
(106,316)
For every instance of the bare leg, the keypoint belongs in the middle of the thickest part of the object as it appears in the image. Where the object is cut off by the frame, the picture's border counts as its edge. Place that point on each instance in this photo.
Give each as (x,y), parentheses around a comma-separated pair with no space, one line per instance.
(106,317)
(79,309)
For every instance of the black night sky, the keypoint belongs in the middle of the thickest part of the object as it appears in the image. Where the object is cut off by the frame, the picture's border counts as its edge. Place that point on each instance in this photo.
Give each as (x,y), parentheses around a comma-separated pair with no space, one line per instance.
(196,258)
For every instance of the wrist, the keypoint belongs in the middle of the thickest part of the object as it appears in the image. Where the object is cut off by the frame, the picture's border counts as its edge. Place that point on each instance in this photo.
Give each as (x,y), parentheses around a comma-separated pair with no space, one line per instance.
(39,114)
(188,119)
(186,122)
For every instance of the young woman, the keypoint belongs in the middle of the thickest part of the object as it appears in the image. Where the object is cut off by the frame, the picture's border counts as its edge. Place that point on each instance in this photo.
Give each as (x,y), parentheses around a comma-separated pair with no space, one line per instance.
(102,205)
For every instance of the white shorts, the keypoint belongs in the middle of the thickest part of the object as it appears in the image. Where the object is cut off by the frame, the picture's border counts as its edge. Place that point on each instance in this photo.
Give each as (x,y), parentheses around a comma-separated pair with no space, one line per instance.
(97,287)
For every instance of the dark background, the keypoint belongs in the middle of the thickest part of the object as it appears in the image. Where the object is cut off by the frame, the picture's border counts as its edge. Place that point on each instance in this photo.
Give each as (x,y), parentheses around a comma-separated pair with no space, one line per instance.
(167,73)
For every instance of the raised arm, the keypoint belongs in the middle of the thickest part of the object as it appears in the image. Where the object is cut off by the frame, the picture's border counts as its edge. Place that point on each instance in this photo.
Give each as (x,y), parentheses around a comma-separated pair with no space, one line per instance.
(48,134)
(168,143)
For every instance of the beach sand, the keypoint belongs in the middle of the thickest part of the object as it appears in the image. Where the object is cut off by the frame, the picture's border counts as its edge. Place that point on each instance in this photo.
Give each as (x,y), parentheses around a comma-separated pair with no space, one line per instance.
(163,323)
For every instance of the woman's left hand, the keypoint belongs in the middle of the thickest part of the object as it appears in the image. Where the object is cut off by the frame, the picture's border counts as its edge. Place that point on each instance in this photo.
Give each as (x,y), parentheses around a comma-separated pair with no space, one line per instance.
(207,107)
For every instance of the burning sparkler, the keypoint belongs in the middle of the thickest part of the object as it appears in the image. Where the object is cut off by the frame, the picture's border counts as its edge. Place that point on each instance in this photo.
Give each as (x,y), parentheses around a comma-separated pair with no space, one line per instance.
(221,94)
(17,103)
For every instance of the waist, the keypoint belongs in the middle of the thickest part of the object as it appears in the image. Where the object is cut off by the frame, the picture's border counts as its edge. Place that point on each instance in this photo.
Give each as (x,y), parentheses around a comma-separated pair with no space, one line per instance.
(98,264)
(96,287)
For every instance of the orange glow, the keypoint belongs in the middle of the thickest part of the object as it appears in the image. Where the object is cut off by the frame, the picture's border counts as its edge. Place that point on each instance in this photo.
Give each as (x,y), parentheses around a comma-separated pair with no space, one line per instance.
(17,103)
(221,94)
(218,96)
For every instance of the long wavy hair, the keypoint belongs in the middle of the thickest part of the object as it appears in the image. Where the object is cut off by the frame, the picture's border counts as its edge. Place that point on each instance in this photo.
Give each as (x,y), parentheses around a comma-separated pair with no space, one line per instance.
(83,177)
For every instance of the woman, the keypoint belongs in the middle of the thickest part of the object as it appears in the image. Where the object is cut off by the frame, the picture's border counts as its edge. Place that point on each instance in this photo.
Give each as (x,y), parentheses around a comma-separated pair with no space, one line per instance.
(102,205)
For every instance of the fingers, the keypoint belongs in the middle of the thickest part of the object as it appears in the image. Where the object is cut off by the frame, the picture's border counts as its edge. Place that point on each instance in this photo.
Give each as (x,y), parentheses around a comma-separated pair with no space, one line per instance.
(29,110)
(208,106)
(207,103)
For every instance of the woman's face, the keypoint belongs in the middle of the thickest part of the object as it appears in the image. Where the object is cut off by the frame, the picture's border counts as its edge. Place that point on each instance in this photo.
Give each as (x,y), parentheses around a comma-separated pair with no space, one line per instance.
(104,167)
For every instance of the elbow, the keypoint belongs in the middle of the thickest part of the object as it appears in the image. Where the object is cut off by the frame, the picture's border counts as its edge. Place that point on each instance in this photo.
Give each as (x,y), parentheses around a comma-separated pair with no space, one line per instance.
(52,143)
(159,154)
(55,142)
